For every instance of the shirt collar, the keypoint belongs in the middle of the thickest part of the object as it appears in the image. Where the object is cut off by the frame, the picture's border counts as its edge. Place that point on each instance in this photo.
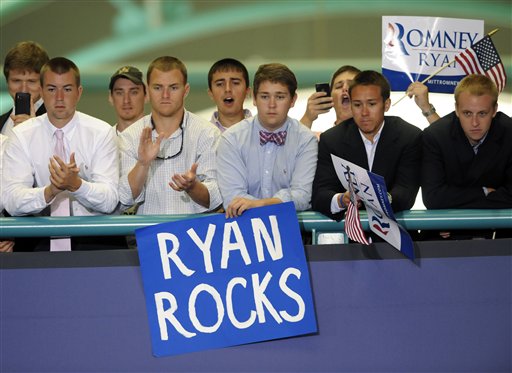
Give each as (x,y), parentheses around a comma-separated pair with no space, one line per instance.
(375,138)
(215,119)
(68,129)
(477,145)
(259,127)
(183,124)
(38,104)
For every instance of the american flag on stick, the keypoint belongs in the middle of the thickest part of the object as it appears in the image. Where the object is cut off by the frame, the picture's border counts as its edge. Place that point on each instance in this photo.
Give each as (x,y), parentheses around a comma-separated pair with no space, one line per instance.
(353,227)
(483,58)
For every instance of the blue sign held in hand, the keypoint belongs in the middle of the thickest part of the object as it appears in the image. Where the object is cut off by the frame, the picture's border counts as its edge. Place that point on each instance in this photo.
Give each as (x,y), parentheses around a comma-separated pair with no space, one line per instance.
(213,282)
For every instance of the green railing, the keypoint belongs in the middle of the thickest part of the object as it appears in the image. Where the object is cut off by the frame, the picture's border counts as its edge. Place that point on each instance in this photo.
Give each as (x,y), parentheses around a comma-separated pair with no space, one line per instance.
(309,221)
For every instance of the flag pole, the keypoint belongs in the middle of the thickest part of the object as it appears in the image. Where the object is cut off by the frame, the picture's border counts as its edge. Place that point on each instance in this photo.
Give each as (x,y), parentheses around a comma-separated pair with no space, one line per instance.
(491,33)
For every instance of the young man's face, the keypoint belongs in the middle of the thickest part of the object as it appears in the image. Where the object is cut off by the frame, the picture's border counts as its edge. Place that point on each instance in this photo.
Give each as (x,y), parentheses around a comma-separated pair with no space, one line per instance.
(128,99)
(167,91)
(24,81)
(475,115)
(368,108)
(60,96)
(228,91)
(339,91)
(273,101)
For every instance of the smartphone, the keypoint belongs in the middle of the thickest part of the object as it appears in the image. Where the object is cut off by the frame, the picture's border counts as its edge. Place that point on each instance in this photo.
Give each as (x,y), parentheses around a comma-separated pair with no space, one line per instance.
(22,103)
(323,87)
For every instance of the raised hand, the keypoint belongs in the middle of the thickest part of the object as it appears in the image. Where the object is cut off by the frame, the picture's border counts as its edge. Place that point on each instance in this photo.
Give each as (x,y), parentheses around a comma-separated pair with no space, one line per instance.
(318,103)
(148,150)
(186,181)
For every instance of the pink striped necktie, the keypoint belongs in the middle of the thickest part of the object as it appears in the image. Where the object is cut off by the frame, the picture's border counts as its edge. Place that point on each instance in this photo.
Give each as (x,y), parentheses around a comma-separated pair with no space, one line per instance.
(60,205)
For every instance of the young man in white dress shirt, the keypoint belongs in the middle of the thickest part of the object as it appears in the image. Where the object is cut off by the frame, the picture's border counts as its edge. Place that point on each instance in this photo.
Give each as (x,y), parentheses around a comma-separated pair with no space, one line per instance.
(270,158)
(35,178)
(168,157)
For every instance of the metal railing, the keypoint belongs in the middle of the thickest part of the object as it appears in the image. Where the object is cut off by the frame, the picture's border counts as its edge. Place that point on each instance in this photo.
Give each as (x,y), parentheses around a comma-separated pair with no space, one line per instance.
(309,221)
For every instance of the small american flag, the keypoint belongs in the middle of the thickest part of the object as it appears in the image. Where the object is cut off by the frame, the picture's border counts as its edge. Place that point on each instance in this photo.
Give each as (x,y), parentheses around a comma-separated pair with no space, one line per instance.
(482,58)
(353,227)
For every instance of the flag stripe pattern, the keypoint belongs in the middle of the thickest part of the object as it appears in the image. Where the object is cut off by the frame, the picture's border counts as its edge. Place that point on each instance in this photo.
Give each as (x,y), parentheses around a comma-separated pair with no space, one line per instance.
(353,227)
(483,58)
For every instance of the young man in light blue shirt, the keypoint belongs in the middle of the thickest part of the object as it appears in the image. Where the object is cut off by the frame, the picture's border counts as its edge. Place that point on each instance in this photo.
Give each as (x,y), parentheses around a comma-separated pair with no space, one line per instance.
(270,158)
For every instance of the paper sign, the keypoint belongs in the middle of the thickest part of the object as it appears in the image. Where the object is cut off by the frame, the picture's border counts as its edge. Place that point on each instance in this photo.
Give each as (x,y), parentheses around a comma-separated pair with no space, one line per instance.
(415,47)
(371,189)
(213,282)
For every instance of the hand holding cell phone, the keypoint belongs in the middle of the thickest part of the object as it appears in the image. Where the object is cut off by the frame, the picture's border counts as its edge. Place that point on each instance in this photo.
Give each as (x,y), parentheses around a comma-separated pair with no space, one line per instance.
(317,104)
(22,103)
(323,87)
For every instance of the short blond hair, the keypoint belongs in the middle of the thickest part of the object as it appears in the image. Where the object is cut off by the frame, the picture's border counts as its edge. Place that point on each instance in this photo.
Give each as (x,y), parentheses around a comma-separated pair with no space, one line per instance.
(477,85)
(167,63)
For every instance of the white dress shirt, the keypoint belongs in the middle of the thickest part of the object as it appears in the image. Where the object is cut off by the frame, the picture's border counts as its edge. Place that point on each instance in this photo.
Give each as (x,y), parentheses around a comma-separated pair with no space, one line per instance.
(157,197)
(370,148)
(28,153)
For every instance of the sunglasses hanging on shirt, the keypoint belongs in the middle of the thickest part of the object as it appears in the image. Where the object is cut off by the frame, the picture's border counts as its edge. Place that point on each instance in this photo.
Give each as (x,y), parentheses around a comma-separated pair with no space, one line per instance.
(163,158)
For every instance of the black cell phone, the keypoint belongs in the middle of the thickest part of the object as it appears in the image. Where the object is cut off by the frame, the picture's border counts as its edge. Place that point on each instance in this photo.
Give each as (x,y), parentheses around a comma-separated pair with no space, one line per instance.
(323,87)
(22,103)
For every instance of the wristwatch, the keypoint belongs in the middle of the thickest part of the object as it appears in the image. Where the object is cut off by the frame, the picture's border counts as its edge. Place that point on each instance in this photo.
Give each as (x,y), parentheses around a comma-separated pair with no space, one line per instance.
(429,112)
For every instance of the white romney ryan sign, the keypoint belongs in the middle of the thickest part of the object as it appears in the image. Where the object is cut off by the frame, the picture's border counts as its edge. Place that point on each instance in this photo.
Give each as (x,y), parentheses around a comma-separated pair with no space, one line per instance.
(415,47)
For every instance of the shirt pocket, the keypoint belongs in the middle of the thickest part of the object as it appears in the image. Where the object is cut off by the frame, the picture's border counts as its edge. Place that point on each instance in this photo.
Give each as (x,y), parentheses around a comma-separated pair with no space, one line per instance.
(84,166)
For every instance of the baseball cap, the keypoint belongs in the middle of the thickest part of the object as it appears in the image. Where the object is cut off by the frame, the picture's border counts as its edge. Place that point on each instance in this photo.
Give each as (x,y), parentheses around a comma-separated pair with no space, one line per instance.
(128,72)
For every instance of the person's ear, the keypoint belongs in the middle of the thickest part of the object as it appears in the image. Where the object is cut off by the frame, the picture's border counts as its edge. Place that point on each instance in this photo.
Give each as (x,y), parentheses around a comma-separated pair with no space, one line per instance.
(387,104)
(294,99)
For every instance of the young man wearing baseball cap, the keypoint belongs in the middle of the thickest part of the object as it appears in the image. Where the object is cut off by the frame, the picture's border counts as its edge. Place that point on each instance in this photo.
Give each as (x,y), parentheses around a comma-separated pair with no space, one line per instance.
(127,96)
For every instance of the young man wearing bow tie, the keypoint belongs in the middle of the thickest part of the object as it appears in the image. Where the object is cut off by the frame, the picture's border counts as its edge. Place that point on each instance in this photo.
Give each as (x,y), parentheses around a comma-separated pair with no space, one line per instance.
(270,158)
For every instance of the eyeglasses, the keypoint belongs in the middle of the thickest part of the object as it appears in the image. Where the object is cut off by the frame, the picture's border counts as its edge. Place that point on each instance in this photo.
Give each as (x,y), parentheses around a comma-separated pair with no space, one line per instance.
(181,146)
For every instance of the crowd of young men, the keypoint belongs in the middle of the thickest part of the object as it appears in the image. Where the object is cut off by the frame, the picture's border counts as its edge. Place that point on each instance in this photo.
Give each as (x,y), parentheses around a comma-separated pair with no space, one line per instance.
(59,161)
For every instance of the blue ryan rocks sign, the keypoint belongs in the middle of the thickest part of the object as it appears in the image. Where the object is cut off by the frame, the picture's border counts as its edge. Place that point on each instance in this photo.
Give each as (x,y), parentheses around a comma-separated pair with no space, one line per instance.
(213,282)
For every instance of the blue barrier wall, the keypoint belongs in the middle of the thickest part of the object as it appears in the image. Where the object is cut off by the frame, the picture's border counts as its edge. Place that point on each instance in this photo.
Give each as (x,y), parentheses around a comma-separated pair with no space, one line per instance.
(449,311)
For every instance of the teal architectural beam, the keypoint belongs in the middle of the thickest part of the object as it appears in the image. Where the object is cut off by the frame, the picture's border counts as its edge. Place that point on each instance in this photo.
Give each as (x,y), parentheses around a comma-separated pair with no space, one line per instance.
(187,25)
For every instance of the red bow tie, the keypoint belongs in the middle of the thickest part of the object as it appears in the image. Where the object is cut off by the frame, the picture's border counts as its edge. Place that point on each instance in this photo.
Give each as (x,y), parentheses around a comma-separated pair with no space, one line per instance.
(277,138)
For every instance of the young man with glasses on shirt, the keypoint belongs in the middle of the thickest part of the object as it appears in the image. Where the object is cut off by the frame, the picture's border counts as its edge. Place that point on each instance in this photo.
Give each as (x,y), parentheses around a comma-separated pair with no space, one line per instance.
(168,156)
